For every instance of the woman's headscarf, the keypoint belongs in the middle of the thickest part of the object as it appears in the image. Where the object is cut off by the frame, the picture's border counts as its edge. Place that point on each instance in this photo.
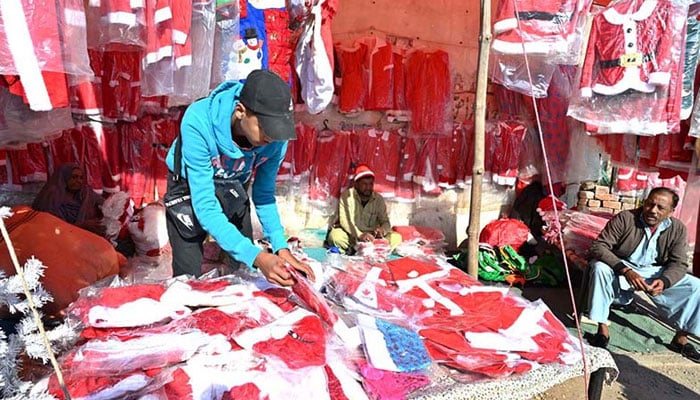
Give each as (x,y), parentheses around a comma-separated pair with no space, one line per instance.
(70,207)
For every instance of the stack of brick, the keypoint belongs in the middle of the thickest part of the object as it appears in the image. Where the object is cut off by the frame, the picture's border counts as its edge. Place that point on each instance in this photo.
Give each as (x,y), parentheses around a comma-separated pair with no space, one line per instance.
(599,199)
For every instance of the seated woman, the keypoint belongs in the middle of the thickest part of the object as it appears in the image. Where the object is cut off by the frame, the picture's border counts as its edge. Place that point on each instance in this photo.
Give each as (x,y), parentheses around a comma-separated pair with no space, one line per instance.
(67,196)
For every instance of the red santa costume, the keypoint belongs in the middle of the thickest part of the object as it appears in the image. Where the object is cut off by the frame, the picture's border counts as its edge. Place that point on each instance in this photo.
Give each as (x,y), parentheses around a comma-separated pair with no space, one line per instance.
(630,49)
(537,27)
(631,69)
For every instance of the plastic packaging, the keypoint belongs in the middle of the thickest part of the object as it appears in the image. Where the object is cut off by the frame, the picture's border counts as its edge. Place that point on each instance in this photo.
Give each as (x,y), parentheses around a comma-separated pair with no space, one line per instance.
(335,259)
(631,79)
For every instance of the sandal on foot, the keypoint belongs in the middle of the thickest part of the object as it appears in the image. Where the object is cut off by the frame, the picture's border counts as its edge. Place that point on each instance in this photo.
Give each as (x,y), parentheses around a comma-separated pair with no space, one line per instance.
(599,340)
(686,350)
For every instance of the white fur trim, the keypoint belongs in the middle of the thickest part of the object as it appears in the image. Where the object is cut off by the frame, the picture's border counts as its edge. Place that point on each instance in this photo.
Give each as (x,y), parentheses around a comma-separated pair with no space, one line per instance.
(123,388)
(94,3)
(660,78)
(645,10)
(421,282)
(181,294)
(274,330)
(559,46)
(21,47)
(505,25)
(637,127)
(162,14)
(183,61)
(74,17)
(121,17)
(625,175)
(137,3)
(143,311)
(503,180)
(586,92)
(161,53)
(179,37)
(630,80)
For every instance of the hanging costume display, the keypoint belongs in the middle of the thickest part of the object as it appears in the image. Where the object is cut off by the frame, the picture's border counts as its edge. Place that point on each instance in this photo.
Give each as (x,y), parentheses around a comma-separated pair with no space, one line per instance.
(548,34)
(631,76)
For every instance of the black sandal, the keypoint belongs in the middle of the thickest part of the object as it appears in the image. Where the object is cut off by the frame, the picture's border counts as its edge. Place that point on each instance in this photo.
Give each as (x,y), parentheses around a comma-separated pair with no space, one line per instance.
(686,350)
(599,340)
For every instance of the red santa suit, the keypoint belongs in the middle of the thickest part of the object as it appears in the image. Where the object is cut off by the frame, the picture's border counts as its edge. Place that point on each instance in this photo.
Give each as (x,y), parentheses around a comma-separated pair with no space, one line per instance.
(380,150)
(629,48)
(536,26)
(39,68)
(329,175)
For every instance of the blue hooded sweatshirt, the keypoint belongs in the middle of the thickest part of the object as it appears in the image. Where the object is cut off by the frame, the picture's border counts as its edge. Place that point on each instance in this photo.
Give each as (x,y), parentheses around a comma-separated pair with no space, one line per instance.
(208,151)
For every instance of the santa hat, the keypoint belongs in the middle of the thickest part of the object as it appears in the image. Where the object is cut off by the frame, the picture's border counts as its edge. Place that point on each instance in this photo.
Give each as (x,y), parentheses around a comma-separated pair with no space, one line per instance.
(363,171)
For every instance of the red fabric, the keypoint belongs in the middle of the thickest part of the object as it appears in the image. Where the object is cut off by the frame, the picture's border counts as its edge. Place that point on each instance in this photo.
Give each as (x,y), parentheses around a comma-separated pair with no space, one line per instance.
(426,171)
(329,175)
(56,85)
(381,78)
(335,389)
(353,90)
(121,87)
(411,232)
(399,80)
(304,346)
(74,258)
(505,146)
(380,151)
(407,165)
(245,391)
(505,231)
(179,386)
(410,268)
(428,91)
(451,151)
(313,299)
(303,149)
(279,42)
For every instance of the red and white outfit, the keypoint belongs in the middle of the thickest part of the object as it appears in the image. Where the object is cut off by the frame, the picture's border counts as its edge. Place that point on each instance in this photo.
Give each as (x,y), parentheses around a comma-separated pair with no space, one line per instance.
(379,150)
(39,69)
(544,27)
(354,77)
(429,92)
(629,48)
(329,176)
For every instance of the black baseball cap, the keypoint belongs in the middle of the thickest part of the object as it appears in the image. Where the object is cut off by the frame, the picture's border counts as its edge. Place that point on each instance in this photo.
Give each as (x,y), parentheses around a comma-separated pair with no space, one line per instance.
(269,98)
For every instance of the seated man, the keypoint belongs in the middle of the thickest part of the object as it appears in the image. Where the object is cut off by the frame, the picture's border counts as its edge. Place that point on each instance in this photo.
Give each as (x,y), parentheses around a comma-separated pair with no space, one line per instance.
(646,249)
(362,215)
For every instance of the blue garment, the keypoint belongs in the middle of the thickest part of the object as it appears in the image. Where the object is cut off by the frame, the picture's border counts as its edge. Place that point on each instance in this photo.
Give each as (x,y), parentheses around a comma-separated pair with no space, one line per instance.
(679,303)
(208,152)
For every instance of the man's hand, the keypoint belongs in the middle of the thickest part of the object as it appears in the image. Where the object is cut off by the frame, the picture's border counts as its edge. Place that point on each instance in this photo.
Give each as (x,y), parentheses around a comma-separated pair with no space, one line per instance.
(273,267)
(366,237)
(656,287)
(287,256)
(636,281)
(379,232)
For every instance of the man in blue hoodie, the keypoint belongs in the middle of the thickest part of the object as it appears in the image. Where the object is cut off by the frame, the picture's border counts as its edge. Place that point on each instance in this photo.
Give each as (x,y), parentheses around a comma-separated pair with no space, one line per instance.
(239,132)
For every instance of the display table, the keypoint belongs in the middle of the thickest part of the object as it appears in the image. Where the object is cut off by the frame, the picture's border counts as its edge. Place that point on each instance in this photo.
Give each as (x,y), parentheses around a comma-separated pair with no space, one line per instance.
(526,386)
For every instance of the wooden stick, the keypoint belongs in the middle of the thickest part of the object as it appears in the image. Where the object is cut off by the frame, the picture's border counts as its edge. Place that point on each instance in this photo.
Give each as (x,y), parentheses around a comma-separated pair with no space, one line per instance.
(32,306)
(479,133)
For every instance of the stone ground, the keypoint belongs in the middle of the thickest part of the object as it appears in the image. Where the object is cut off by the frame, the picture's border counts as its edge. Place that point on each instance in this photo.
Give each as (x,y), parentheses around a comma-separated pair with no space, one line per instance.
(656,376)
(662,375)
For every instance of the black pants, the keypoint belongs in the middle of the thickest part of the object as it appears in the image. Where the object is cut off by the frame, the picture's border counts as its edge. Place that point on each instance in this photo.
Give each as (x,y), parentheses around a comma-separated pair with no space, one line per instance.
(188,253)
